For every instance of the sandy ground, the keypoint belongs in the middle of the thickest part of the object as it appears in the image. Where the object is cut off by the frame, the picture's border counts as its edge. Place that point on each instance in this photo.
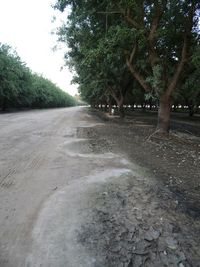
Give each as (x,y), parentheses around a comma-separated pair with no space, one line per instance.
(72,195)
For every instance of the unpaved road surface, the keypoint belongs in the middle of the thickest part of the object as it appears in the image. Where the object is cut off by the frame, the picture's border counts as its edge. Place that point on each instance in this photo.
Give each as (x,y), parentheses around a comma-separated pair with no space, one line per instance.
(69,198)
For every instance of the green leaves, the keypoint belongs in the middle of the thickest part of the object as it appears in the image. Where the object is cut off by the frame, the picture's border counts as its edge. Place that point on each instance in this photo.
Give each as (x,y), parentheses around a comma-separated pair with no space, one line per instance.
(14,75)
(102,36)
(19,87)
(46,94)
(156,80)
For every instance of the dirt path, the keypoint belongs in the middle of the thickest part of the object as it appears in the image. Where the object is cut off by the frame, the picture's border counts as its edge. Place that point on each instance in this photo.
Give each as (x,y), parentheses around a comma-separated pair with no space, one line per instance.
(71,197)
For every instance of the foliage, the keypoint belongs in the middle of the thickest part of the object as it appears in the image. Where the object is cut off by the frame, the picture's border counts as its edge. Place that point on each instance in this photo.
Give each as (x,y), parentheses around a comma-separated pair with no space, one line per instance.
(47,95)
(112,44)
(189,93)
(19,87)
(14,76)
(101,34)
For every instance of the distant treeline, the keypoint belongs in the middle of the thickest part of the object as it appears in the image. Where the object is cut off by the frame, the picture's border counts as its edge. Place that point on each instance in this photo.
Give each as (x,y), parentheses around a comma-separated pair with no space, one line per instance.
(20,88)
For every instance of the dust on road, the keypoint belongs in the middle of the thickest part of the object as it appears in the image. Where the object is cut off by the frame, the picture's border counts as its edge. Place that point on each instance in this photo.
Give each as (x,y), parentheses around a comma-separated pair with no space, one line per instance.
(68,199)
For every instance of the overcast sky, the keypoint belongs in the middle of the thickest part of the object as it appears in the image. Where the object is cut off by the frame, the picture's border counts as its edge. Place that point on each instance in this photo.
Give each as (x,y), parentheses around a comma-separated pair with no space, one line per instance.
(26,25)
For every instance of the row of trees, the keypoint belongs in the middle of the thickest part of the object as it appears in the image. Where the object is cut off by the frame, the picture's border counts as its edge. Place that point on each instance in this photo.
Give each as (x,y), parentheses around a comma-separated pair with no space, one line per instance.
(20,88)
(122,49)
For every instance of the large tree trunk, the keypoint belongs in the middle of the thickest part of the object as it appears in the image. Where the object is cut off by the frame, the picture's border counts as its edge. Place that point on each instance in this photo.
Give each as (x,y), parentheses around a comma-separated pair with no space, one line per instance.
(120,103)
(143,107)
(164,114)
(110,109)
(106,107)
(191,110)
(121,110)
(150,104)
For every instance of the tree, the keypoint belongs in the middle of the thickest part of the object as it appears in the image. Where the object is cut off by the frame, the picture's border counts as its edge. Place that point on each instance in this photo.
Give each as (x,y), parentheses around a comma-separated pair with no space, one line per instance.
(155,40)
(14,77)
(189,92)
(20,88)
(166,32)
(45,94)
(98,62)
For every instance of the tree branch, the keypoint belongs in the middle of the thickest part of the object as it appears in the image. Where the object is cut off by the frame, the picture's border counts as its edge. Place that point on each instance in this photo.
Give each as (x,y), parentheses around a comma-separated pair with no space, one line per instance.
(133,53)
(138,76)
(127,16)
(119,100)
(184,52)
(152,35)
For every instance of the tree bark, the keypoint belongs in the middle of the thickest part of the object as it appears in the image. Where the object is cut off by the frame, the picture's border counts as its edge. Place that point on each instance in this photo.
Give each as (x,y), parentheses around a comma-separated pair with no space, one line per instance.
(164,114)
(175,108)
(143,107)
(120,103)
(121,110)
(150,104)
(110,109)
(106,107)
(191,110)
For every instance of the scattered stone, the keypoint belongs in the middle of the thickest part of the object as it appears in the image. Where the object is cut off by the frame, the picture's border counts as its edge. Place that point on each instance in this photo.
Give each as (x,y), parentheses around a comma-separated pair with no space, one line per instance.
(139,217)
(137,261)
(171,243)
(130,236)
(133,225)
(141,247)
(128,263)
(116,248)
(152,234)
(132,229)
(182,256)
(164,259)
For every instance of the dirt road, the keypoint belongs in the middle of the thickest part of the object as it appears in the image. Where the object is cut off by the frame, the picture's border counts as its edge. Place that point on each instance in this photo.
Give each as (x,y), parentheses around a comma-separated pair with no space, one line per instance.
(68,200)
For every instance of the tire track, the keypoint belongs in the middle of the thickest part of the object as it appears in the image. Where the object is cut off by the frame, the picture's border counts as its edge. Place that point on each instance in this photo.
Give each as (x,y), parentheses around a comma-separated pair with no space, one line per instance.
(7,180)
(33,159)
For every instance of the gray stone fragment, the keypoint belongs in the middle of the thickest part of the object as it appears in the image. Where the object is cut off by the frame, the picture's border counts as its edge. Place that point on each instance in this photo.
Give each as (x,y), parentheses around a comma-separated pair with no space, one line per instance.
(182,256)
(130,236)
(141,247)
(171,243)
(137,261)
(117,248)
(152,234)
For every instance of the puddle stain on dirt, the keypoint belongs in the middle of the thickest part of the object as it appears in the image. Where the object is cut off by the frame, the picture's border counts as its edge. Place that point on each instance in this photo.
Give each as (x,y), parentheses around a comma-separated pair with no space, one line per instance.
(109,218)
(54,237)
(107,174)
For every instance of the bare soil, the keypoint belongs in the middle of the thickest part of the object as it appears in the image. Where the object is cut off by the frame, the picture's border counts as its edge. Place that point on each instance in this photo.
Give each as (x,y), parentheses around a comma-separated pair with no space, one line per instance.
(174,160)
(152,219)
(81,189)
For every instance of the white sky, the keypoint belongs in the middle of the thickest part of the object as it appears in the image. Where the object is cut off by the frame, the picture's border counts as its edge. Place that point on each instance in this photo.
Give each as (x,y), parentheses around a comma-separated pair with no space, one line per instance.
(26,25)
